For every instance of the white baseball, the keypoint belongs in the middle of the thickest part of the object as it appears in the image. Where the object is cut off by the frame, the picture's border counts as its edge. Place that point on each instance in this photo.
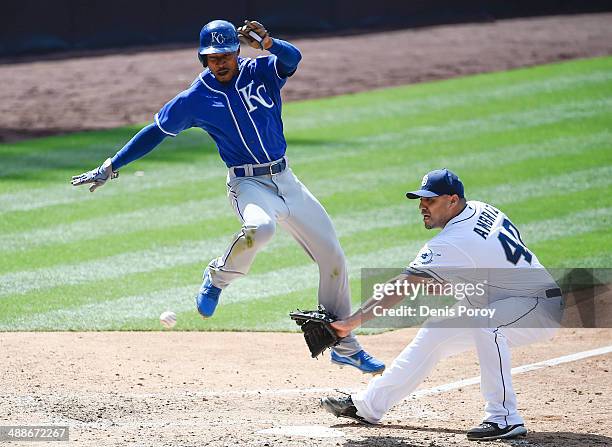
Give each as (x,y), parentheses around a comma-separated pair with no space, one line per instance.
(167,319)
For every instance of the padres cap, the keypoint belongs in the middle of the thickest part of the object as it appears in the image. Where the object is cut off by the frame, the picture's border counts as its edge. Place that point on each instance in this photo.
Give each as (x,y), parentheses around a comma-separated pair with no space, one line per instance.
(438,183)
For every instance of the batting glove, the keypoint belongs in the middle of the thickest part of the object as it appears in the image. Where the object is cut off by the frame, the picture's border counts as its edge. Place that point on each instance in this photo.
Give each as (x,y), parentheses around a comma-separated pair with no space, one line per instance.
(97,176)
(255,35)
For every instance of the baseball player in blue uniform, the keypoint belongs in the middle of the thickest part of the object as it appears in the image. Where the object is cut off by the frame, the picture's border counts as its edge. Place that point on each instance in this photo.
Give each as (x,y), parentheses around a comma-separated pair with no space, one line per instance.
(237,101)
(478,245)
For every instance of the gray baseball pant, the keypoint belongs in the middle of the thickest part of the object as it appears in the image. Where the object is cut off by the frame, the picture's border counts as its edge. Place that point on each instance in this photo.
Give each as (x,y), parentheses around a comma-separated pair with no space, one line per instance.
(263,201)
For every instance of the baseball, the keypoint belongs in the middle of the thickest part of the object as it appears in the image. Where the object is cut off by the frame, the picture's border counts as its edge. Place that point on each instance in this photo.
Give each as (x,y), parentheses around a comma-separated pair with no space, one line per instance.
(168,319)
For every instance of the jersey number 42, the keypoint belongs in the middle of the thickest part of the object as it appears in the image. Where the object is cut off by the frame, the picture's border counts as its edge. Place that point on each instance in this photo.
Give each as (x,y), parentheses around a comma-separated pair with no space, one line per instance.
(513,245)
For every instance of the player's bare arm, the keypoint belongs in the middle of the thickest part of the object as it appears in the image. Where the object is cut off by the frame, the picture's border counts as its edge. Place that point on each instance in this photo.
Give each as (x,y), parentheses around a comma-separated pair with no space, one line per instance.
(366,312)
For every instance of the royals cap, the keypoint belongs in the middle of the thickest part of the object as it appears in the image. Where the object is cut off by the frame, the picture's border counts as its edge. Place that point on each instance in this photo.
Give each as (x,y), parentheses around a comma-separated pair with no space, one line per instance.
(438,183)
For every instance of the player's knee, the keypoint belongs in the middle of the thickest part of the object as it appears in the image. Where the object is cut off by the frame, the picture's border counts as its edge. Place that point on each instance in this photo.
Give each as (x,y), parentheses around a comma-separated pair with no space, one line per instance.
(336,254)
(260,234)
(333,261)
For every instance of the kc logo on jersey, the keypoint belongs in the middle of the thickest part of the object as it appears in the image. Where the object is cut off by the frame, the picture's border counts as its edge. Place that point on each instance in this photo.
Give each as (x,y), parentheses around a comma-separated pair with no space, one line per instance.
(249,97)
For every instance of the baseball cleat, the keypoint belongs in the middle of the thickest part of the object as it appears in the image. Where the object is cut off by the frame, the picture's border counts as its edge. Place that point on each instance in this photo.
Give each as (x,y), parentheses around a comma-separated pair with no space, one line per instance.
(208,297)
(361,360)
(490,430)
(342,407)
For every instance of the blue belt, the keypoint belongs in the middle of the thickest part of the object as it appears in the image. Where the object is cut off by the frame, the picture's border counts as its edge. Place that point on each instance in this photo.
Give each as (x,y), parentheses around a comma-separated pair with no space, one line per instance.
(271,169)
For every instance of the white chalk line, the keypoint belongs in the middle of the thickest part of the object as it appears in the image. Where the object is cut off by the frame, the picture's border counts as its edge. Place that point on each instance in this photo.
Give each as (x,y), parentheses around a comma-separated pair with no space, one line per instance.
(418,394)
(289,392)
(424,392)
(515,371)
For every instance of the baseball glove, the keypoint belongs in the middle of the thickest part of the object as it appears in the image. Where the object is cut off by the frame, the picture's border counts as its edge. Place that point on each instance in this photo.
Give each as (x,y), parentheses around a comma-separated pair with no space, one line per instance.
(318,333)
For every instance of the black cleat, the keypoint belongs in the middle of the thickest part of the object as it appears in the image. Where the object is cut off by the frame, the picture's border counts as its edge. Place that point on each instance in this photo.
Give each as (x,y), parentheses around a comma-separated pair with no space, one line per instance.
(342,407)
(490,430)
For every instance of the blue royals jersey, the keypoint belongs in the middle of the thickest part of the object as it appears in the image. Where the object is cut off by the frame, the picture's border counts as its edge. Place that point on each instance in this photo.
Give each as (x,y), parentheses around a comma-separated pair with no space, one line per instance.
(243,116)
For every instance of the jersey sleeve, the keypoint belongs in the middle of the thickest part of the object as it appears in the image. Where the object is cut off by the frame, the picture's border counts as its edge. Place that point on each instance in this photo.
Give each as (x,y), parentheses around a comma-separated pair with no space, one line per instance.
(176,115)
(288,57)
(141,144)
(440,261)
(267,70)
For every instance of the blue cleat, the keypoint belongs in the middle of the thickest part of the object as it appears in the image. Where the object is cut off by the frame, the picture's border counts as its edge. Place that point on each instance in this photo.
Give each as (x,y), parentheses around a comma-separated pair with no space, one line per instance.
(208,297)
(363,361)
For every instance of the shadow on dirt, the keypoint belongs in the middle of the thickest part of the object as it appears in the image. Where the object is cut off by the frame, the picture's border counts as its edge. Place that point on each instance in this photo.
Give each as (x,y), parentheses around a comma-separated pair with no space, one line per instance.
(540,439)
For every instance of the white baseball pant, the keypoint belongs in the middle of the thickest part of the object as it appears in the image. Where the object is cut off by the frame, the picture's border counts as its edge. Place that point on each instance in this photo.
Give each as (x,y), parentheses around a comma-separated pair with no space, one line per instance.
(517,321)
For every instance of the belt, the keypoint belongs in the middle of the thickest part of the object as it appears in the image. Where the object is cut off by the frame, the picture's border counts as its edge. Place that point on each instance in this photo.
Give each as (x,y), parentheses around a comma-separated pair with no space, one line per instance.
(553,293)
(275,167)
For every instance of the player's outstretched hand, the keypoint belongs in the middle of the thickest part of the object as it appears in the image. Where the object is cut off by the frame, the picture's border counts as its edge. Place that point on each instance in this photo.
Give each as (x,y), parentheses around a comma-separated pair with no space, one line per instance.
(97,177)
(255,35)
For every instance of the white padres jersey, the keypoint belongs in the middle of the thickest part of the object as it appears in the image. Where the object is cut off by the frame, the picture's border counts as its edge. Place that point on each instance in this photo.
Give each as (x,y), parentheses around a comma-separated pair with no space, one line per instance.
(482,245)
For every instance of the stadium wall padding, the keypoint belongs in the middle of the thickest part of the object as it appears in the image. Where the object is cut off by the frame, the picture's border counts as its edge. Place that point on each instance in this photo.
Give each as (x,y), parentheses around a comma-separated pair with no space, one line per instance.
(31,26)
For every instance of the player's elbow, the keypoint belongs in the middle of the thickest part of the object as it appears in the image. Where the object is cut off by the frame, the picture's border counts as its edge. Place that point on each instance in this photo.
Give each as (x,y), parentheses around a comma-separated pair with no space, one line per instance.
(298,56)
(297,61)
(294,59)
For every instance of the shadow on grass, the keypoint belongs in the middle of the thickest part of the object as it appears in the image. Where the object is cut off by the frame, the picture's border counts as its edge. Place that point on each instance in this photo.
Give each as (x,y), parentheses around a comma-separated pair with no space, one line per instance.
(11,135)
(82,151)
(308,142)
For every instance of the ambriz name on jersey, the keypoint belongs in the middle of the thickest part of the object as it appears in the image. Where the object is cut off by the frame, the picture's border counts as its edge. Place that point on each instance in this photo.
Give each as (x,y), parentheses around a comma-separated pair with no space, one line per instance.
(485,221)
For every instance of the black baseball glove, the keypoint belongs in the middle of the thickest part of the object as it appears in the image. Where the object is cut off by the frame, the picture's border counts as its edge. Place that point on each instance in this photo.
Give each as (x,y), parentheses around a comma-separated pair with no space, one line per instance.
(318,333)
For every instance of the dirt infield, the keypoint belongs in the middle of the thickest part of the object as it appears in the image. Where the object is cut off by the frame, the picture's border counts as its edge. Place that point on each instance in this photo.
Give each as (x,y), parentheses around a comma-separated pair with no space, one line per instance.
(193,389)
(109,90)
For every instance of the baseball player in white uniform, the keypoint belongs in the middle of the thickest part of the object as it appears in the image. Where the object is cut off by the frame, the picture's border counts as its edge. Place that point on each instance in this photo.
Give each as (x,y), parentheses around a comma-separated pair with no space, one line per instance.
(478,243)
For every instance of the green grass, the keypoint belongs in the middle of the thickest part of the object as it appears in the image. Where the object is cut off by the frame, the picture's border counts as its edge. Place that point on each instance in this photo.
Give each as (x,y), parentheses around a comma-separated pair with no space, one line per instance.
(536,142)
